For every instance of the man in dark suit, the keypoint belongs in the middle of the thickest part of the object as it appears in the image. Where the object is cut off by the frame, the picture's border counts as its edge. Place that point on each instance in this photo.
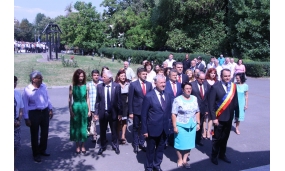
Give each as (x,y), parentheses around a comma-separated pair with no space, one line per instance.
(181,77)
(186,63)
(156,113)
(199,64)
(108,109)
(200,89)
(137,91)
(173,87)
(223,105)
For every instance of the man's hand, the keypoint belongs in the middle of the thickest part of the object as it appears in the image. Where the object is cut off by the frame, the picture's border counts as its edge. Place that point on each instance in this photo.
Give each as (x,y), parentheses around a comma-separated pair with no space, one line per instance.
(216,122)
(145,135)
(95,117)
(50,114)
(131,116)
(28,122)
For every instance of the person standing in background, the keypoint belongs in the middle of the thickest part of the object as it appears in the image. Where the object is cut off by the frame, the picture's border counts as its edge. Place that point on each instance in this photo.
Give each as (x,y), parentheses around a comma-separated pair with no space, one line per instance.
(92,91)
(18,112)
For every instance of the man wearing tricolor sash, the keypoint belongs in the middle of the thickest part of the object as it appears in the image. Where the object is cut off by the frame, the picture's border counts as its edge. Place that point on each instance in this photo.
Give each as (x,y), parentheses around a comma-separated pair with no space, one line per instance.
(223,104)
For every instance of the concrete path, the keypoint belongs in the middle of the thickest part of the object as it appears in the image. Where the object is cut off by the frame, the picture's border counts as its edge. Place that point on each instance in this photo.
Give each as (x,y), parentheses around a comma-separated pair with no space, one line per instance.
(248,151)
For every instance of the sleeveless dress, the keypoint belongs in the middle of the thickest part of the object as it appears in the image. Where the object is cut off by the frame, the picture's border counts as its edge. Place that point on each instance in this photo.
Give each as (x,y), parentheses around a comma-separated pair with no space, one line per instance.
(241,89)
(78,124)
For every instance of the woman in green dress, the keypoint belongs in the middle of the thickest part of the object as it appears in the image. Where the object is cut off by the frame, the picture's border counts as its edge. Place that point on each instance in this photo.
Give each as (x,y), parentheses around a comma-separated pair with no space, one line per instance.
(79,107)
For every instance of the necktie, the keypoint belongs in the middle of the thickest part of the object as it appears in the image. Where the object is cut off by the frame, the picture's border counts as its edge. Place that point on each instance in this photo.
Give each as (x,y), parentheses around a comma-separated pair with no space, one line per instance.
(228,87)
(173,88)
(201,91)
(108,99)
(179,78)
(143,88)
(163,105)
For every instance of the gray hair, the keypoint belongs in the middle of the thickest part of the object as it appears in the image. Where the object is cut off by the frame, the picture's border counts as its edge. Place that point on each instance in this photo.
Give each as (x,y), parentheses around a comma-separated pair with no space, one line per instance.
(34,74)
(158,76)
(108,73)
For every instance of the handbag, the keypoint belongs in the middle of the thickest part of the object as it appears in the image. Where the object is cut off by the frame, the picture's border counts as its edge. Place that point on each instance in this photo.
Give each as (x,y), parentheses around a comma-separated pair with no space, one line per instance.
(92,127)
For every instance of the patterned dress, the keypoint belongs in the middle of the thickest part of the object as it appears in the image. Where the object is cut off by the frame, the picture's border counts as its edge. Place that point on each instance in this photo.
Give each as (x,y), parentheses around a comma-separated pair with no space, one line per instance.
(78,124)
(185,111)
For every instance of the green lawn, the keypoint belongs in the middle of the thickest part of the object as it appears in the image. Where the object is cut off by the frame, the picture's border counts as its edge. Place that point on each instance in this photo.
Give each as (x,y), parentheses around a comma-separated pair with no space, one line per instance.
(54,74)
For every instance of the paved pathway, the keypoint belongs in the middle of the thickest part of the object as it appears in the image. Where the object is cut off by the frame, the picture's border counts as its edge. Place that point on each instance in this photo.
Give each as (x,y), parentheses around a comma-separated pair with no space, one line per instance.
(248,151)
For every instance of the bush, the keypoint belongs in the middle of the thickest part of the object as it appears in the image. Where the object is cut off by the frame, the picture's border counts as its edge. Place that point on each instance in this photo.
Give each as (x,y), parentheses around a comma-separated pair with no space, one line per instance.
(257,69)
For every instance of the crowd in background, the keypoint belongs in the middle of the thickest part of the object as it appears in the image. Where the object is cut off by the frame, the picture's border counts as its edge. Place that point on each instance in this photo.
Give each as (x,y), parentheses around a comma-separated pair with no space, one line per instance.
(29,47)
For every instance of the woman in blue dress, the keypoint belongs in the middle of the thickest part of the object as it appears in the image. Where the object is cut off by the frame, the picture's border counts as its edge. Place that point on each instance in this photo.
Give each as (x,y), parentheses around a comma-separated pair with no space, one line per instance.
(242,91)
(186,121)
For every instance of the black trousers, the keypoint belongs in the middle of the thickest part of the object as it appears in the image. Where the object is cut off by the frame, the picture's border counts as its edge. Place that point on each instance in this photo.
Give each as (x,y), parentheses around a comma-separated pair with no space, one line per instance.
(199,132)
(103,127)
(220,138)
(39,119)
(154,152)
(138,138)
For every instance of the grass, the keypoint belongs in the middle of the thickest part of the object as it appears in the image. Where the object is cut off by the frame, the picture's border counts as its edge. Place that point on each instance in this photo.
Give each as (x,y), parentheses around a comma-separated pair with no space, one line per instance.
(54,73)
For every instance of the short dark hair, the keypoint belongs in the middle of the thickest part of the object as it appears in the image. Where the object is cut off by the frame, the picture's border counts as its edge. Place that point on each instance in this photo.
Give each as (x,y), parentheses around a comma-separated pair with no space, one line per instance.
(241,76)
(148,64)
(185,83)
(15,78)
(141,69)
(95,71)
(225,69)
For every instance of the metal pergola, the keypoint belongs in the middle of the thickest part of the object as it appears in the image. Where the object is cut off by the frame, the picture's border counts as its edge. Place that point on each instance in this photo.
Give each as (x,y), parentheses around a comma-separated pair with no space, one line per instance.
(52,32)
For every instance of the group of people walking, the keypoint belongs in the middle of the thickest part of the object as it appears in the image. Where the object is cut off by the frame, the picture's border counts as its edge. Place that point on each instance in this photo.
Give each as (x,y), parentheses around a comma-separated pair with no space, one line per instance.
(168,108)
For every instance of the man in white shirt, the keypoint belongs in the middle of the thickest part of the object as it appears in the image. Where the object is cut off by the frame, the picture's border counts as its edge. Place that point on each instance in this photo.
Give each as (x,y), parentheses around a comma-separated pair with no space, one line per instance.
(218,68)
(170,60)
(129,72)
(229,66)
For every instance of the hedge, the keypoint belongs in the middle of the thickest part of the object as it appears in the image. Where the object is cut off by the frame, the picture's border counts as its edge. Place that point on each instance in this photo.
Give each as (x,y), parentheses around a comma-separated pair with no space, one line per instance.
(254,69)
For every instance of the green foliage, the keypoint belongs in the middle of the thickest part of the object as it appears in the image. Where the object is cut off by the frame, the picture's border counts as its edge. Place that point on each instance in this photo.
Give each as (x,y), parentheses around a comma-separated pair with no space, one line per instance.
(257,69)
(69,62)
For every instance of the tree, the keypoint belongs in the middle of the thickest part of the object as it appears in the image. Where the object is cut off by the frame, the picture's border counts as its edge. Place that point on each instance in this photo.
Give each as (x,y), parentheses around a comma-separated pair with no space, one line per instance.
(23,31)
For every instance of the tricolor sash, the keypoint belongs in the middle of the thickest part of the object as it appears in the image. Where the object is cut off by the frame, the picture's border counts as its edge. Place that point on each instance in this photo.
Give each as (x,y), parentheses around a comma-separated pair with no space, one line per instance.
(226,100)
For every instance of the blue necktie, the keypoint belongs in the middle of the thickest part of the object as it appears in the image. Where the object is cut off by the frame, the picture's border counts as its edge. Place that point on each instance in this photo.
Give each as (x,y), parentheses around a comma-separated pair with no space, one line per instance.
(163,105)
(108,99)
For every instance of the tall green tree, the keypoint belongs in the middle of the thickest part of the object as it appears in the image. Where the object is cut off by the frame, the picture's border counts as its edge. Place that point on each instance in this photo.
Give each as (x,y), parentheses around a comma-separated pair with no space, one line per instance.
(83,28)
(24,31)
(249,28)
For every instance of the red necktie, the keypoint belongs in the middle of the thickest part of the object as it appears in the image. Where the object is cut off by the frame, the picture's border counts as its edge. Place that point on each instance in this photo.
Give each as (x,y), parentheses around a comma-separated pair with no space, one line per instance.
(201,91)
(143,88)
(179,78)
(173,88)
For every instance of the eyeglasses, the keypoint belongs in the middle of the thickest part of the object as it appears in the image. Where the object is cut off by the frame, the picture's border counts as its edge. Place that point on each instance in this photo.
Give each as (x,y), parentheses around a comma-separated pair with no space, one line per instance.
(201,79)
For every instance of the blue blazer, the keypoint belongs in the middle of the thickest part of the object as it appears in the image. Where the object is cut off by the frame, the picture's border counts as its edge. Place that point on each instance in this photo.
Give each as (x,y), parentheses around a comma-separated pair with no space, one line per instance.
(168,88)
(154,118)
(135,96)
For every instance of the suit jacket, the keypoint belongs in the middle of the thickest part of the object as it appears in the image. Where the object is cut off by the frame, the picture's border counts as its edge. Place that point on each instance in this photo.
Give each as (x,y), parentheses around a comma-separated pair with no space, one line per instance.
(186,64)
(116,102)
(200,66)
(203,103)
(217,92)
(185,78)
(168,88)
(154,118)
(135,96)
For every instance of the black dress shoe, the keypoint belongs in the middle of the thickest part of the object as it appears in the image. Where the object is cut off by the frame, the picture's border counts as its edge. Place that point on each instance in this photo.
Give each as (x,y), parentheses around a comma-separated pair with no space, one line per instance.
(136,149)
(44,154)
(157,169)
(142,147)
(214,160)
(200,143)
(225,159)
(37,159)
(116,149)
(101,151)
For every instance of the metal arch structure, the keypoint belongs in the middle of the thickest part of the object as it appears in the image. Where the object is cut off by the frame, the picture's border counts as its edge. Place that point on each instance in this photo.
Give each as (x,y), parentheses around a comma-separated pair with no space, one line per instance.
(52,32)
